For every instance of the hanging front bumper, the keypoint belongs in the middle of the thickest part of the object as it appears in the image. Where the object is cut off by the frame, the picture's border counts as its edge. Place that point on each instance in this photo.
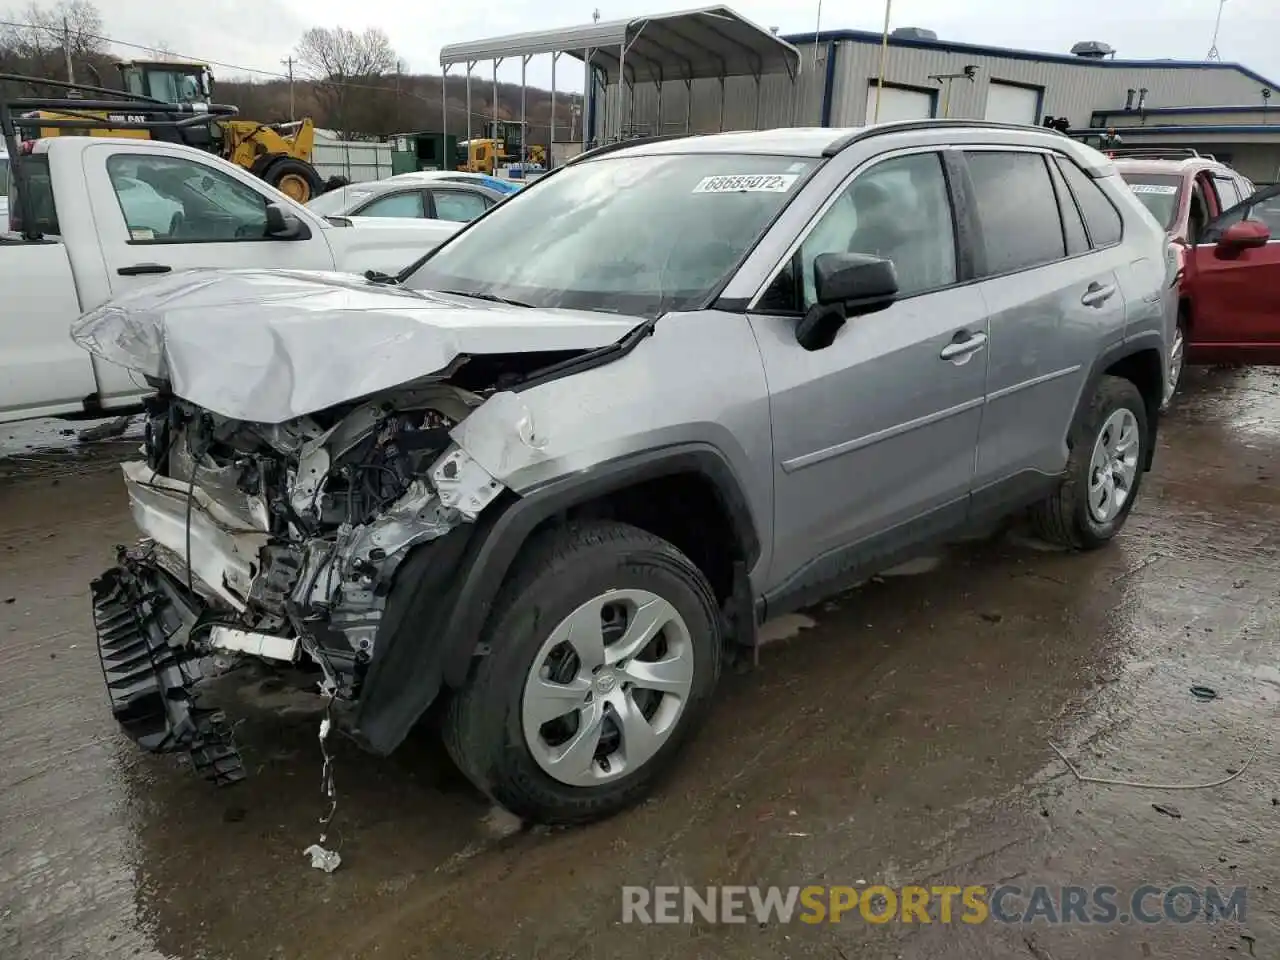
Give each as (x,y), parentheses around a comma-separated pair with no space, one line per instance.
(141,618)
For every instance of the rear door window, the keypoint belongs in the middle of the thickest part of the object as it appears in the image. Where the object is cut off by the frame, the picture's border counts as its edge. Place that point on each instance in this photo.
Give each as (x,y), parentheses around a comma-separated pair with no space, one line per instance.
(1018,211)
(1101,218)
(459,206)
(407,205)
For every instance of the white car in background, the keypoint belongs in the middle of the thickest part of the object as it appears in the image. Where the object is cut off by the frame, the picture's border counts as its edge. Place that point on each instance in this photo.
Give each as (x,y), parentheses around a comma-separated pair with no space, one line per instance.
(103,217)
(452,196)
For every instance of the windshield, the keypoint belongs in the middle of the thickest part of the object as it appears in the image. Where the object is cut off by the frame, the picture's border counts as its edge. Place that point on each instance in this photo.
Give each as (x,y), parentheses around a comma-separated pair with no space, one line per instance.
(1158,193)
(338,201)
(173,87)
(634,235)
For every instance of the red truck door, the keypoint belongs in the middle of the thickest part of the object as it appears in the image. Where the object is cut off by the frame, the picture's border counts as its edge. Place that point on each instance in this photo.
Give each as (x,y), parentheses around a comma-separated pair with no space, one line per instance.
(1233,284)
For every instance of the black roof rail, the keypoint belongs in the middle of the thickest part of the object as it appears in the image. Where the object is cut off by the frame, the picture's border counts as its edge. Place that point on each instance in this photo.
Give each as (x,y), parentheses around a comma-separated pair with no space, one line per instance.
(1160,153)
(875,130)
(606,148)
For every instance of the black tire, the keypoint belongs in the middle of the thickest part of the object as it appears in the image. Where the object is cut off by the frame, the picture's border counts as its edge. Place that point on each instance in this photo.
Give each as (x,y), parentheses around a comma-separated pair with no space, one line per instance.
(278,170)
(1182,328)
(1064,517)
(482,726)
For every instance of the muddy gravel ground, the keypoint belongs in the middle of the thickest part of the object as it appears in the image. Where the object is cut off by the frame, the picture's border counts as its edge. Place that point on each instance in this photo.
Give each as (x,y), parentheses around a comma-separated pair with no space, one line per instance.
(898,734)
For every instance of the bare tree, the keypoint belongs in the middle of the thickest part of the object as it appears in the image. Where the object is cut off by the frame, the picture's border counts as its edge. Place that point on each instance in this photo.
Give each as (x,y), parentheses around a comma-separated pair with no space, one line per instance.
(35,45)
(346,67)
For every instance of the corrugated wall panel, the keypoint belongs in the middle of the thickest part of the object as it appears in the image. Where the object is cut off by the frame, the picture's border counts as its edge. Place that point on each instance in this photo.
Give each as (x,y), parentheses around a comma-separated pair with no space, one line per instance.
(1071,90)
(1250,118)
(782,102)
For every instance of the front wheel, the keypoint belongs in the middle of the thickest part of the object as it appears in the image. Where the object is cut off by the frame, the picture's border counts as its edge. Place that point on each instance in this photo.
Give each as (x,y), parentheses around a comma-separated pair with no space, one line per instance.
(604,648)
(296,179)
(1104,470)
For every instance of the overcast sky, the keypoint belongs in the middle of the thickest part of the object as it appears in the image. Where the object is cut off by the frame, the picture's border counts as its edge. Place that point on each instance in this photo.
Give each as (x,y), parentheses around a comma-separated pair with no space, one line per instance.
(260,33)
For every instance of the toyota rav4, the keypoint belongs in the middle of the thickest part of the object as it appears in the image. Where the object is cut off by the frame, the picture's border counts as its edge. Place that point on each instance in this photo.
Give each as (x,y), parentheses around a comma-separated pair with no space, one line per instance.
(1227,238)
(555,484)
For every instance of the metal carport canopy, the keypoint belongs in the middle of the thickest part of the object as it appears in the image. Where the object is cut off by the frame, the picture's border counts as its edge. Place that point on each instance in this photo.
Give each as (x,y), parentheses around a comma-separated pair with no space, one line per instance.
(708,43)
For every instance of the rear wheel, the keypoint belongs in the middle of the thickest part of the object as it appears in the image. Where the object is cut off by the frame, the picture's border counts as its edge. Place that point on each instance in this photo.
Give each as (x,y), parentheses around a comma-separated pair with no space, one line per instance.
(1104,471)
(604,648)
(296,179)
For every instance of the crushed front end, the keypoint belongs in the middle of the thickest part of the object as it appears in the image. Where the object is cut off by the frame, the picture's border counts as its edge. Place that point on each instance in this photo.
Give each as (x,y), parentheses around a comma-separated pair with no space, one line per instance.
(275,543)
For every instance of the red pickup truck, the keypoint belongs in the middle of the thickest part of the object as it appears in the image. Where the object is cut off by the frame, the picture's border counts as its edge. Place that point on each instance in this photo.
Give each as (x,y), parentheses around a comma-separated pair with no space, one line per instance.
(1228,237)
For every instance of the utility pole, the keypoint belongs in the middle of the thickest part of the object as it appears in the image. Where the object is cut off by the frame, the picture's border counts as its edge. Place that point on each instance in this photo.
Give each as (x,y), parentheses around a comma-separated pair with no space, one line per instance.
(66,50)
(288,62)
(884,51)
(399,71)
(1213,54)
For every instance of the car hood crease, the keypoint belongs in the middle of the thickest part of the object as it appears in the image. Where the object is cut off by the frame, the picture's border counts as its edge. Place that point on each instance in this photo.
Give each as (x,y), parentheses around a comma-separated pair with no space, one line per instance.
(267,346)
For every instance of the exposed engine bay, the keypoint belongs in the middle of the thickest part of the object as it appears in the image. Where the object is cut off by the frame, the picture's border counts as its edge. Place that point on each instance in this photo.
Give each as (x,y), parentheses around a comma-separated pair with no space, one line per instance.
(287,537)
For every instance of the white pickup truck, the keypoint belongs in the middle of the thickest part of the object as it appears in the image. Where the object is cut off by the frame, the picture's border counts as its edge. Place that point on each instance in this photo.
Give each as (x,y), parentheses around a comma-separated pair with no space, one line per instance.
(112,214)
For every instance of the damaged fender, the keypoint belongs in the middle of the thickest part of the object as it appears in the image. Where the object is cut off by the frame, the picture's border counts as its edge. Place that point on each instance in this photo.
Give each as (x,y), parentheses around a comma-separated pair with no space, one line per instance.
(431,633)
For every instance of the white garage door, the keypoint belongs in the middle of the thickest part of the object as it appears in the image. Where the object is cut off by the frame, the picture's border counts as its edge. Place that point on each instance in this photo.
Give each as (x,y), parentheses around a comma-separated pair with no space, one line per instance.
(1009,104)
(899,104)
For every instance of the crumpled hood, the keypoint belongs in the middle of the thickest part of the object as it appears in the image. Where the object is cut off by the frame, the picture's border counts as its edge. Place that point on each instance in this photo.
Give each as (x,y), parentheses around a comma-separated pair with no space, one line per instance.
(266,346)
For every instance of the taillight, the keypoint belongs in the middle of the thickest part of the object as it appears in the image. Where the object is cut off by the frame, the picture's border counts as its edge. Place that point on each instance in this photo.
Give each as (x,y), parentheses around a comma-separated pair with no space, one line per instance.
(27,147)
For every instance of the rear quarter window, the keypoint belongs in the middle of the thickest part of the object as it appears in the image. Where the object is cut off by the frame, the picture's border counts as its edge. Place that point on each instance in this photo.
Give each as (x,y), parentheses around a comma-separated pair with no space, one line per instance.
(39,209)
(1101,218)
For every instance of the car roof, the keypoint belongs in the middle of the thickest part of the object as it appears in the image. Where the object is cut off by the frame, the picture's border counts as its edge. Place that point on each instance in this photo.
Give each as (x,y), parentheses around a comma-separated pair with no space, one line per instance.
(817,142)
(1172,166)
(423,177)
(414,175)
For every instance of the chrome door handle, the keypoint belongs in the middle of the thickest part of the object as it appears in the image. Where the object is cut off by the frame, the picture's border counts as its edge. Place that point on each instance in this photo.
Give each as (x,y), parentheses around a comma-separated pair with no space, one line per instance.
(1097,294)
(963,348)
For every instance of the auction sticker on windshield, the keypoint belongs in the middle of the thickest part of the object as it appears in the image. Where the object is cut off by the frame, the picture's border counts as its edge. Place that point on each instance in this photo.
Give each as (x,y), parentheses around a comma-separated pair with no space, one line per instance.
(747,183)
(1160,188)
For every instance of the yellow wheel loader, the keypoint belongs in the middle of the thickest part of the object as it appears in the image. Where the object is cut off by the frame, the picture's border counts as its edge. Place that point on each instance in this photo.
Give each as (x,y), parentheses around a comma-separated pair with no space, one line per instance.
(282,161)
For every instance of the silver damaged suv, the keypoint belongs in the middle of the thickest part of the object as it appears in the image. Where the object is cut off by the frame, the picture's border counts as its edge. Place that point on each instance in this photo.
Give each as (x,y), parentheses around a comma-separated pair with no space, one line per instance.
(557,471)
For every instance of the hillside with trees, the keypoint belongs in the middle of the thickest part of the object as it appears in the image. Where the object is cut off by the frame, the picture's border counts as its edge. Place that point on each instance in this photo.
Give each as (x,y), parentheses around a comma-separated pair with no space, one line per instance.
(348,82)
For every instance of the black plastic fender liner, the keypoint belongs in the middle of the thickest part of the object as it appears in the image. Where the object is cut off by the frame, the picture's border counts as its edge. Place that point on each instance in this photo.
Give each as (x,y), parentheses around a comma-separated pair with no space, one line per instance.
(149,681)
(444,591)
(407,669)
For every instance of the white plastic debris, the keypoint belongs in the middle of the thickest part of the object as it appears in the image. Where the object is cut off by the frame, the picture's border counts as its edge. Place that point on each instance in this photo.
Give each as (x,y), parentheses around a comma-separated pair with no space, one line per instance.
(322,859)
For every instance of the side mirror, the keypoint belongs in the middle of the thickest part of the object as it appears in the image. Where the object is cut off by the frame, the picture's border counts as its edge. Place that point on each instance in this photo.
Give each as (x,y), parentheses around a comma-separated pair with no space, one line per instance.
(284,226)
(862,283)
(846,285)
(1243,235)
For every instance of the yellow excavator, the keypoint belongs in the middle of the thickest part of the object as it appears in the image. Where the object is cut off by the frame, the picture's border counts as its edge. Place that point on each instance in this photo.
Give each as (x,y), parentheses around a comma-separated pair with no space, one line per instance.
(484,155)
(504,142)
(282,161)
